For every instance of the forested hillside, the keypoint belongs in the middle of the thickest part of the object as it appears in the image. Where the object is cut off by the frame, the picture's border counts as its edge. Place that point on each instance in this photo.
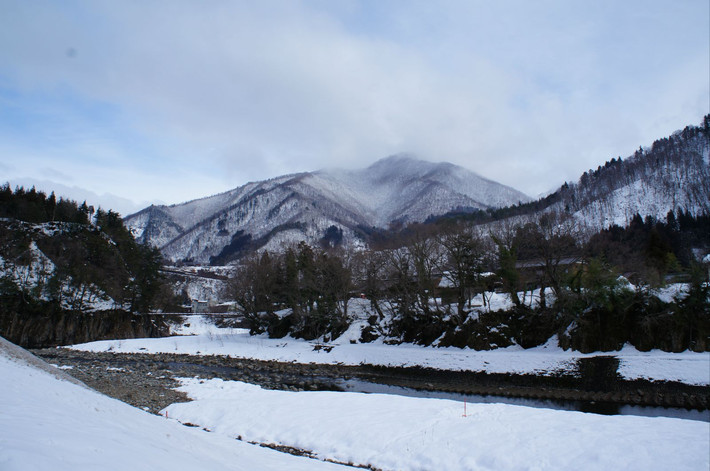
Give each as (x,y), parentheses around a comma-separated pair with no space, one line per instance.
(61,264)
(456,285)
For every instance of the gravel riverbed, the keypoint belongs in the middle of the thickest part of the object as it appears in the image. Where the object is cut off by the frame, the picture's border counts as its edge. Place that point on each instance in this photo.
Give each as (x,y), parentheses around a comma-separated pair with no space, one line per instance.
(148,380)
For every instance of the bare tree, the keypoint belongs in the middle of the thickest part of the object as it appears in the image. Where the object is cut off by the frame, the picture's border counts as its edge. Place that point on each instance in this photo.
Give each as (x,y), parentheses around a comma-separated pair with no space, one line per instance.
(253,288)
(399,273)
(426,259)
(503,236)
(368,271)
(551,243)
(464,255)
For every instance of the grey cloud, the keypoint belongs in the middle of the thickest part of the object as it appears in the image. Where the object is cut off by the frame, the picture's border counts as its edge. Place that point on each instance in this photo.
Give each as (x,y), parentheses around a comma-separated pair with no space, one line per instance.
(527,93)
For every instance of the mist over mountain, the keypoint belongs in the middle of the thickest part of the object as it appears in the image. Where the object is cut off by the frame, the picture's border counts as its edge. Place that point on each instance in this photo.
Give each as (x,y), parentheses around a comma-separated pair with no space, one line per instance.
(334,205)
(340,207)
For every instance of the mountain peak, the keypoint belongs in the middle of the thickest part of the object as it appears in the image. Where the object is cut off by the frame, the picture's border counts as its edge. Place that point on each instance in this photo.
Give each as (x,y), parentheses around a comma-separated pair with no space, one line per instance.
(400,161)
(397,158)
(279,211)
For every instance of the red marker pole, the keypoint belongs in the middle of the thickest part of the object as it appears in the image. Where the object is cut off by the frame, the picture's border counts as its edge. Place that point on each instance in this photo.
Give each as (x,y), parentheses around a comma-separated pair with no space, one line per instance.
(464,407)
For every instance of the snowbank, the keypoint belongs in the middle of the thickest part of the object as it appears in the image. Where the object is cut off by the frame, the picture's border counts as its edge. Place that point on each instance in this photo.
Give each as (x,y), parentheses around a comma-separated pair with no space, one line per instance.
(50,422)
(404,433)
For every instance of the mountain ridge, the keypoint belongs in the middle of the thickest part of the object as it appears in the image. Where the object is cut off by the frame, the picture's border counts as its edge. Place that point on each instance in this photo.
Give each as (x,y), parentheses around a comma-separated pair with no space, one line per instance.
(304,205)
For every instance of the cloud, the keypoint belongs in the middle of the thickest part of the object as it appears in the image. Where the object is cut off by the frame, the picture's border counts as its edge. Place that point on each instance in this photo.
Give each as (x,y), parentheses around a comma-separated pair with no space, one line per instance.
(175,100)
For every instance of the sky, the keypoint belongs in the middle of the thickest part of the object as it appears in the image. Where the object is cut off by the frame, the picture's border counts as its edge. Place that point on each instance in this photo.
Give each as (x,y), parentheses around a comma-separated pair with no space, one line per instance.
(128,103)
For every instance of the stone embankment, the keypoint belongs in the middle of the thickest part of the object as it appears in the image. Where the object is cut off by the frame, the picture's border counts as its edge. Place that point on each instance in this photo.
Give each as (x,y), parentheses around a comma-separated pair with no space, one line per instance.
(70,327)
(148,380)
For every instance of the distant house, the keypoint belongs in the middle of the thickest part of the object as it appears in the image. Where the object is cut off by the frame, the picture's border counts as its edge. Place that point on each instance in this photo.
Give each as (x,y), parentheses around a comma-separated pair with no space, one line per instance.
(531,270)
(539,263)
(200,306)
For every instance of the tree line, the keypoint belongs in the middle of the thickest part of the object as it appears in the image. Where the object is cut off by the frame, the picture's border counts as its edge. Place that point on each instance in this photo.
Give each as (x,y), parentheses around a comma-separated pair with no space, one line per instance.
(36,207)
(421,285)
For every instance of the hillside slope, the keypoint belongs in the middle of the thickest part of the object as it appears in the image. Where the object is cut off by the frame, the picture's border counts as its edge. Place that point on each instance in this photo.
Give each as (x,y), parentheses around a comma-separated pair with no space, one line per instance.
(672,175)
(70,275)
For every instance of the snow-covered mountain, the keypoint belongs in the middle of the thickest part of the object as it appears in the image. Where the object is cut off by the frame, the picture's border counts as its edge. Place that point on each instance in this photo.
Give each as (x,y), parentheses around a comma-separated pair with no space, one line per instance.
(671,175)
(306,206)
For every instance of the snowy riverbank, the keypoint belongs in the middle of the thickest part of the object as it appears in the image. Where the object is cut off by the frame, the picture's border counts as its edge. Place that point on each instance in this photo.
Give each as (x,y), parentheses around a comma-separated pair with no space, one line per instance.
(204,338)
(394,432)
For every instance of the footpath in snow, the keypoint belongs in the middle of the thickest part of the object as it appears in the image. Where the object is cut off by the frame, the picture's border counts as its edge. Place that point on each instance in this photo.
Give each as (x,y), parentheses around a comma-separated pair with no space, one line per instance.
(204,338)
(404,433)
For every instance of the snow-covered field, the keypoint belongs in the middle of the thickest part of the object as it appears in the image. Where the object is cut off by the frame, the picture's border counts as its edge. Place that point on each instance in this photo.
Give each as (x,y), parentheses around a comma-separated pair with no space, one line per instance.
(404,433)
(204,338)
(48,422)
